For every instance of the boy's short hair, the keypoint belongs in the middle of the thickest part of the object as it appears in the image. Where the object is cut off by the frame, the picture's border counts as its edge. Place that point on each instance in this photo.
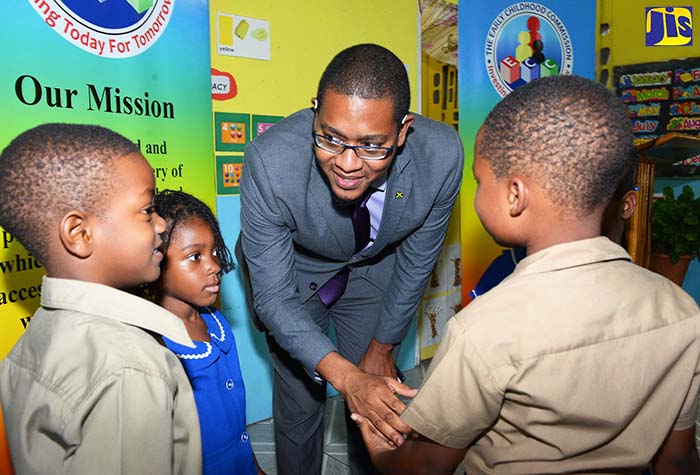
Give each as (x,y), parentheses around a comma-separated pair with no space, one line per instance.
(570,134)
(54,168)
(368,71)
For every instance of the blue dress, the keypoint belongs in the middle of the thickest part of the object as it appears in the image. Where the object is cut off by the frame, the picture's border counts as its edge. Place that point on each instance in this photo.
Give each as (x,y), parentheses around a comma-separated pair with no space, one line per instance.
(219,393)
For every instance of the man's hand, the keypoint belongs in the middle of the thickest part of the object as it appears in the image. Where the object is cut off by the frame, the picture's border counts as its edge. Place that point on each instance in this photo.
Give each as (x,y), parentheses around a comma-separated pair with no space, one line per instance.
(378,360)
(373,397)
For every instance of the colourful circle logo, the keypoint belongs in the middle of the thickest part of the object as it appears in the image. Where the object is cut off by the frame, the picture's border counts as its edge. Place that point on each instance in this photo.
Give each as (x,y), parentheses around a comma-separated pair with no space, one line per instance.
(524,42)
(108,28)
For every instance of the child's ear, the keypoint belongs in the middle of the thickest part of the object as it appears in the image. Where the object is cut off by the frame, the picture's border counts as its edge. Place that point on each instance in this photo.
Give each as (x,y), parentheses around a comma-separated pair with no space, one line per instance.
(518,196)
(629,204)
(76,234)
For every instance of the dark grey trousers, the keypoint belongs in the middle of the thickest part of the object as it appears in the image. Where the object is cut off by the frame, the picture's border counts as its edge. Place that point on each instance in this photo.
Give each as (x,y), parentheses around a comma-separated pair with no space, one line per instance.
(298,402)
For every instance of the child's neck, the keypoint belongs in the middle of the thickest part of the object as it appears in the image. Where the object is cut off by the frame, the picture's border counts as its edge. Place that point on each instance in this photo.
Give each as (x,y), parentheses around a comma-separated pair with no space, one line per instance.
(190,316)
(562,231)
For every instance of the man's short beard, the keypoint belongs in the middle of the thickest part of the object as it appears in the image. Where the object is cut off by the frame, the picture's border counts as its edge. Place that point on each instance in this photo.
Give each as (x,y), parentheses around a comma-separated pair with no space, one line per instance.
(345,204)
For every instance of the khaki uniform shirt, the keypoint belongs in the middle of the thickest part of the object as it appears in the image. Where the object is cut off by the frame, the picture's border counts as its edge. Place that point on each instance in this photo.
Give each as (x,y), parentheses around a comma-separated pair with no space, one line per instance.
(578,362)
(86,391)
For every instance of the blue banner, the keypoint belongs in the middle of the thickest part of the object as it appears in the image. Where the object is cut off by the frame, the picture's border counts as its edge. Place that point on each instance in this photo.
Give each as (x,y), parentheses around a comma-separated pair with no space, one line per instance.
(503,45)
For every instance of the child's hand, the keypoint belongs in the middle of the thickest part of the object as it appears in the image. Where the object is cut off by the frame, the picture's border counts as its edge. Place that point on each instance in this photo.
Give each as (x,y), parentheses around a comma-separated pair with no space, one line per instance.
(374,440)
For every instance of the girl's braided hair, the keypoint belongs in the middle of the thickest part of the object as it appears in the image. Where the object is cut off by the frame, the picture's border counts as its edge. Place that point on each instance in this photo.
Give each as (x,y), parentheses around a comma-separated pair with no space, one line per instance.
(178,207)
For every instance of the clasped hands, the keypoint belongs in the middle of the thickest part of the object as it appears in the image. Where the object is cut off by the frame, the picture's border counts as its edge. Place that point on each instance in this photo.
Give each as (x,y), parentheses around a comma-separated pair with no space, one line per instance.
(370,390)
(372,394)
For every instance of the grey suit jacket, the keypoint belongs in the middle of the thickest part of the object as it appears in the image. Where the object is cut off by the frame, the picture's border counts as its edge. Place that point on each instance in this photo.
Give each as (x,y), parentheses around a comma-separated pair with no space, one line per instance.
(294,239)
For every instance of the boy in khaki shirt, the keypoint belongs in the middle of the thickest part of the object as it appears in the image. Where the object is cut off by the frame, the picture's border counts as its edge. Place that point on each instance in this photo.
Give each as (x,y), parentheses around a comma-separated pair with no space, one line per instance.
(88,388)
(579,361)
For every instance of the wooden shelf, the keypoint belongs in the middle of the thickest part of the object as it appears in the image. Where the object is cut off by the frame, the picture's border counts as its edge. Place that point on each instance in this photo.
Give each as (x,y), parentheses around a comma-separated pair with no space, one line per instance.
(669,149)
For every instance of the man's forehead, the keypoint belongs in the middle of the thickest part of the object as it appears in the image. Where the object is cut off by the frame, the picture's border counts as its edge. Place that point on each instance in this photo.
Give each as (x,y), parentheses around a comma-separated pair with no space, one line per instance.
(357,118)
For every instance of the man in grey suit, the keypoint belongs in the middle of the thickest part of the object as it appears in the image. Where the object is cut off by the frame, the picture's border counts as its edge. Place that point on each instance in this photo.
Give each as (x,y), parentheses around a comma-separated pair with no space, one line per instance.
(344,208)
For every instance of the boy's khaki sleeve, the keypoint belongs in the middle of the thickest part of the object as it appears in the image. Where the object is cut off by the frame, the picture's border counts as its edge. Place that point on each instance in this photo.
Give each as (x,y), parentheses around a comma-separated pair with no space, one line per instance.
(459,398)
(127,426)
(687,416)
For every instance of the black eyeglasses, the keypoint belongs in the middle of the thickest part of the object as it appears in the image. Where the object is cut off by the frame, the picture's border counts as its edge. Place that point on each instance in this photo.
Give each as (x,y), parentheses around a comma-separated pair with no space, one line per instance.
(365,152)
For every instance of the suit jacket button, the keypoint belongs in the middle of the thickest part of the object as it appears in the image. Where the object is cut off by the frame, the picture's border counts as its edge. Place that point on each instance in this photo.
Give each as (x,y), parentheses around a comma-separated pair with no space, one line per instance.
(313,286)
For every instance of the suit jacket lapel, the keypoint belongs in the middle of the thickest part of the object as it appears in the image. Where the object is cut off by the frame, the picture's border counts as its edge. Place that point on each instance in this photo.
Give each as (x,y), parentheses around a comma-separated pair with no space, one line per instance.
(398,192)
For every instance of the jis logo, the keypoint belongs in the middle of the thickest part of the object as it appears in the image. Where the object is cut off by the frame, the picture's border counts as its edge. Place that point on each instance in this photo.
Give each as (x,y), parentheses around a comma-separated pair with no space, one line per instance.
(669,26)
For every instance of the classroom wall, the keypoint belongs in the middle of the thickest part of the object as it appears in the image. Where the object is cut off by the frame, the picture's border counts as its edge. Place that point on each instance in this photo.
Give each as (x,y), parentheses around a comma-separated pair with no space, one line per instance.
(443,295)
(296,40)
(621,28)
(624,39)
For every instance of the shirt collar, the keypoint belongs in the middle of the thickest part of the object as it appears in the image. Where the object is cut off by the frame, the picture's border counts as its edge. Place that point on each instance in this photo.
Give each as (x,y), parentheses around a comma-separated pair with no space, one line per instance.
(571,254)
(108,302)
(217,330)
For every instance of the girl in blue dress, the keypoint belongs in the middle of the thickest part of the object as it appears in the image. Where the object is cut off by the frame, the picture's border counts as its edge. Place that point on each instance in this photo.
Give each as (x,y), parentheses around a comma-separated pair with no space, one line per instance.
(195,257)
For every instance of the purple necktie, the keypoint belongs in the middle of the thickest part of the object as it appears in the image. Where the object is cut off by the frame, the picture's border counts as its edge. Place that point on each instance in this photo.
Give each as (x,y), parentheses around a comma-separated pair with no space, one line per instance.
(331,291)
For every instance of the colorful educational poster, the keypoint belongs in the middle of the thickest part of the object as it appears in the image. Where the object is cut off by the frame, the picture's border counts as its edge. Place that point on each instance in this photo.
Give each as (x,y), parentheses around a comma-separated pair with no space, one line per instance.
(242,36)
(443,296)
(662,97)
(140,67)
(232,131)
(502,45)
